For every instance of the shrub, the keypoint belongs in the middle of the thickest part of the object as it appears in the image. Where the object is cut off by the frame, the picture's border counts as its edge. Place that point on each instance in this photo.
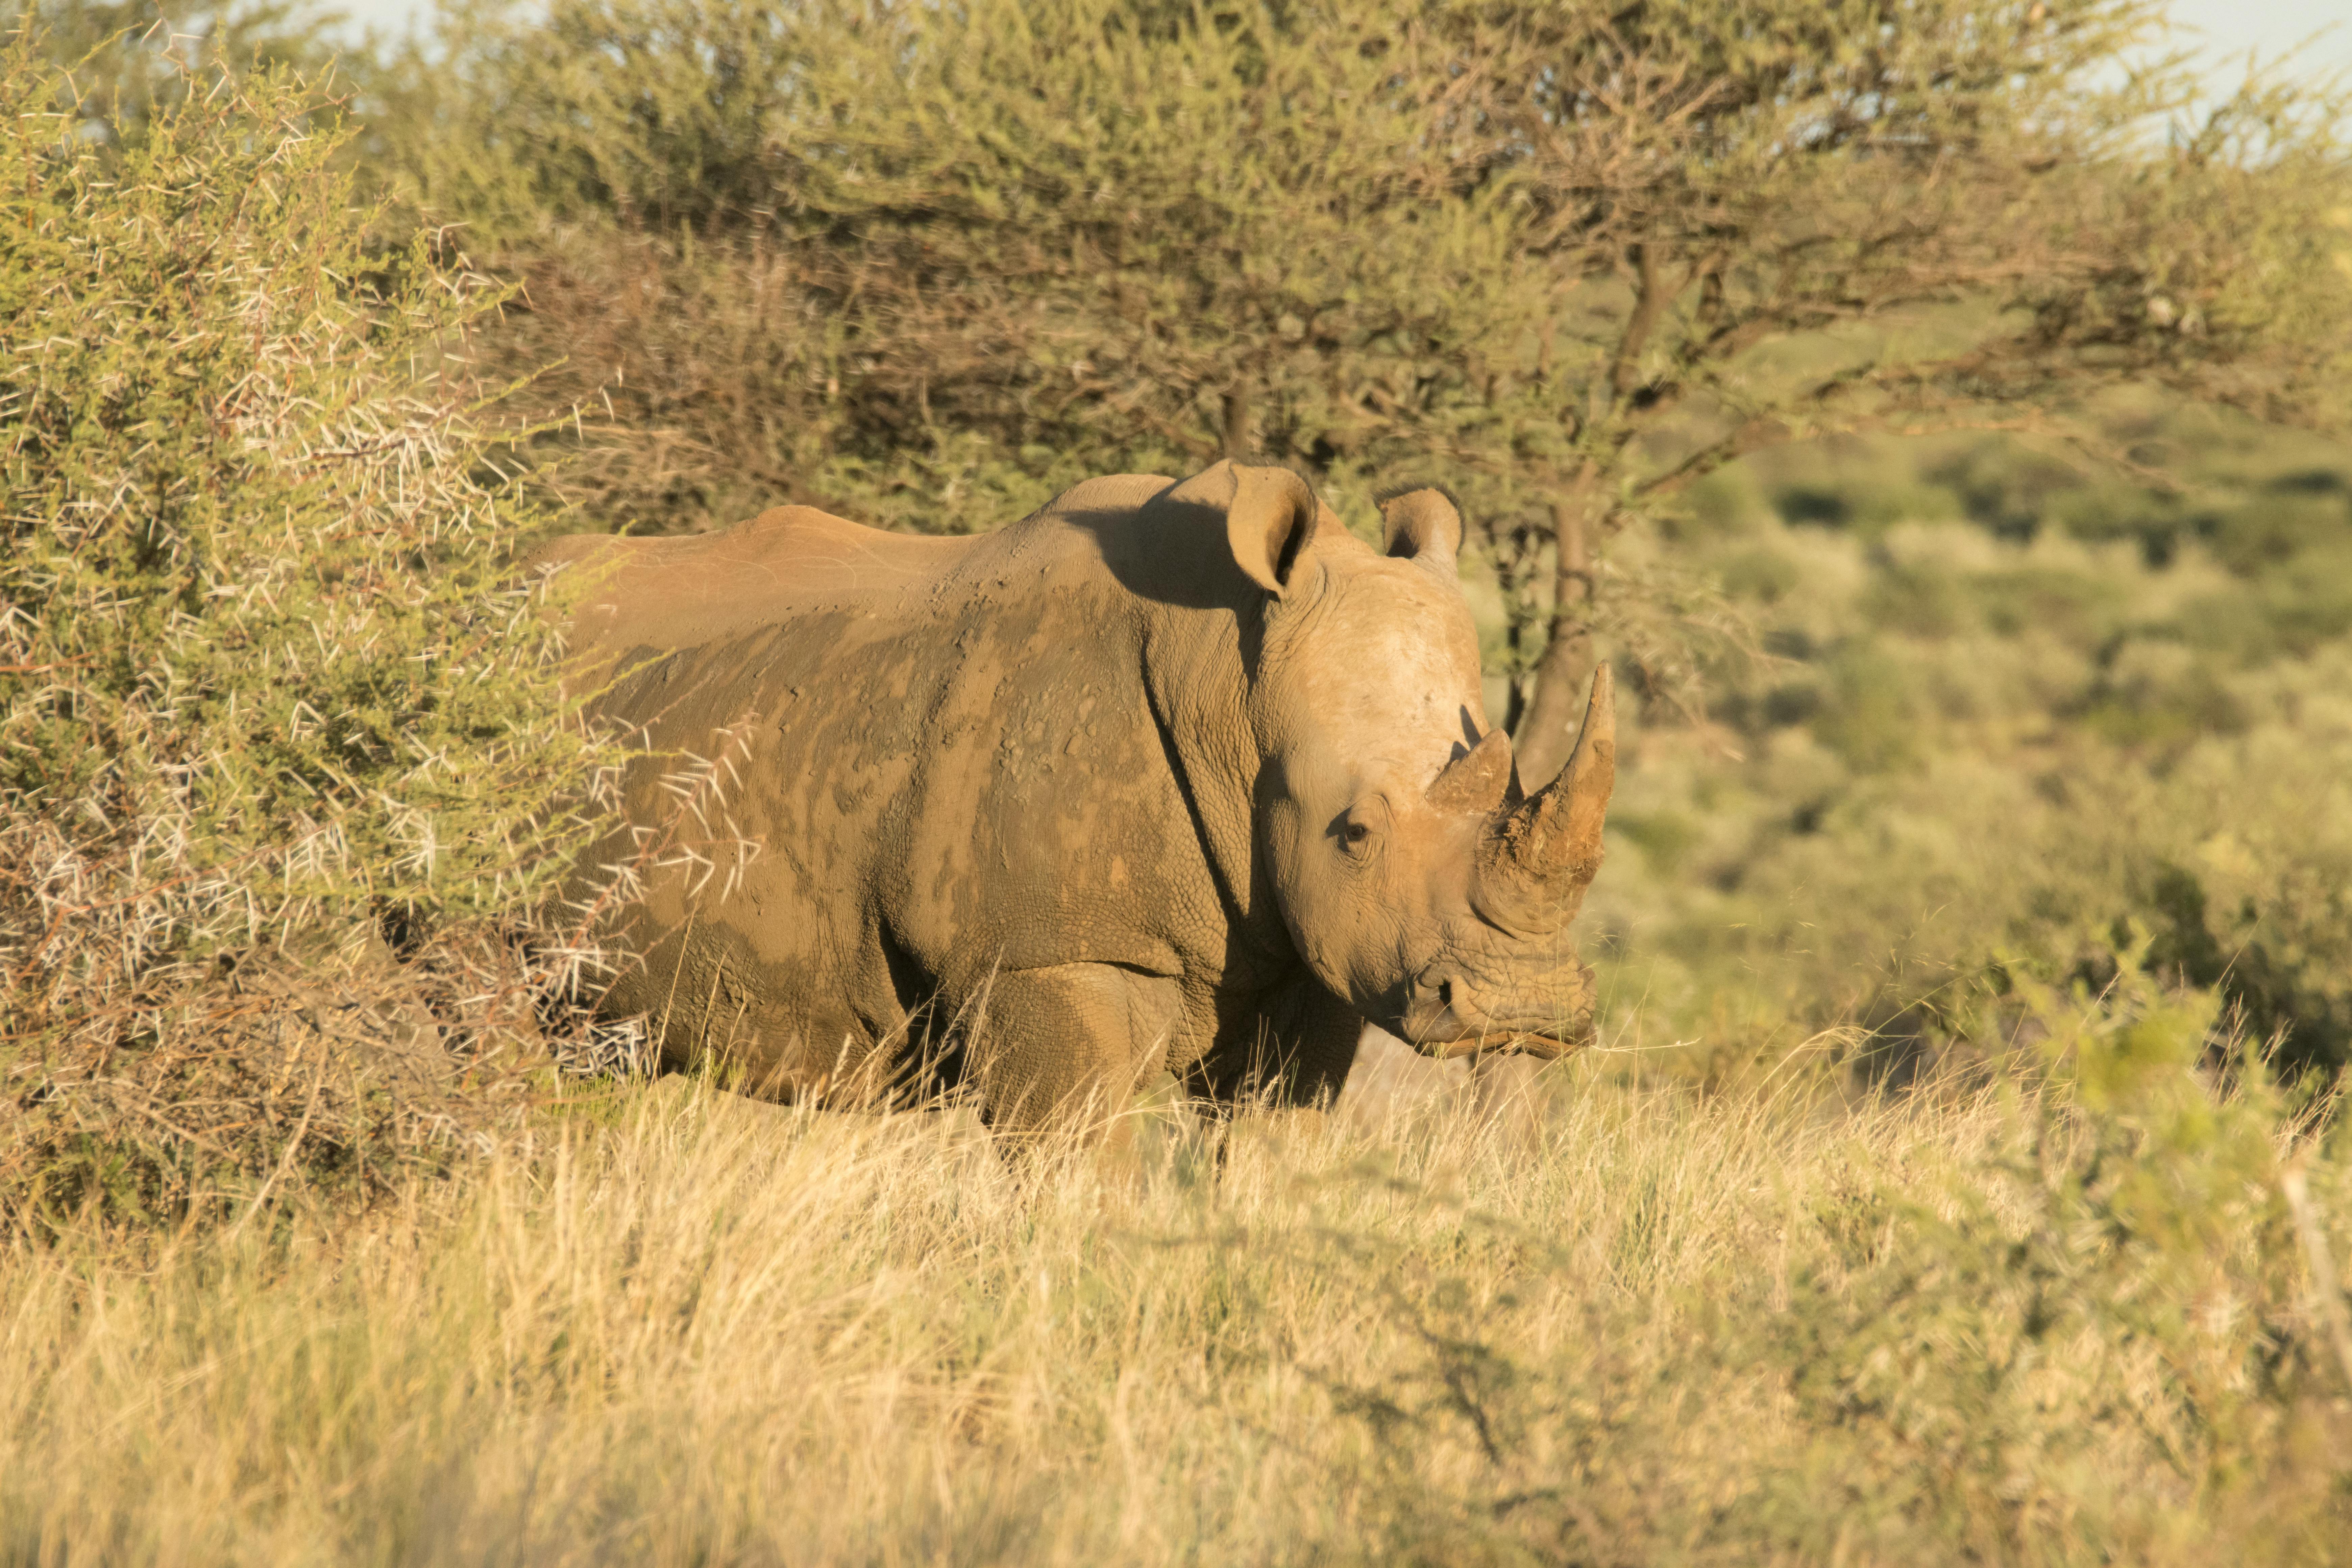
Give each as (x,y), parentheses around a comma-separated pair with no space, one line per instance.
(280,744)
(1974,753)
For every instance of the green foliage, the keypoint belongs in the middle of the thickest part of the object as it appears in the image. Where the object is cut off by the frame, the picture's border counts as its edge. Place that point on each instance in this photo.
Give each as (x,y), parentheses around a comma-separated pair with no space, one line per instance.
(932,264)
(123,61)
(928,265)
(1975,746)
(265,683)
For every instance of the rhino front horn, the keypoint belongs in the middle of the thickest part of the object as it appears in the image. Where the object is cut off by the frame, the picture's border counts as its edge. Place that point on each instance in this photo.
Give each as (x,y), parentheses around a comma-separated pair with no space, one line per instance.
(1548,848)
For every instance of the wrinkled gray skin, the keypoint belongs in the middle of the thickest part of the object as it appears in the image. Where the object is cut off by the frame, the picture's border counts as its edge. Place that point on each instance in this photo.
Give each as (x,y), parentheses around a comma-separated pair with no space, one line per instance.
(1166,775)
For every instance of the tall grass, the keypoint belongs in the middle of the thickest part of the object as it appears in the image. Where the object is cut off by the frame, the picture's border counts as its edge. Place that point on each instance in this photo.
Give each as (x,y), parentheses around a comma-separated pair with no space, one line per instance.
(2004,1324)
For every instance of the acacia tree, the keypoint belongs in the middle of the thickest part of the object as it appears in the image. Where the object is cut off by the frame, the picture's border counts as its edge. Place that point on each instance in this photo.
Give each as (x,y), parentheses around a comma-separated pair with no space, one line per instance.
(1775,221)
(1025,243)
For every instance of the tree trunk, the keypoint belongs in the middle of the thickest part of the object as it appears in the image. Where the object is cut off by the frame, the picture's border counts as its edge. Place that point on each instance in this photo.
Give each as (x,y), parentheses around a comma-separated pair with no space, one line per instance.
(1547,732)
(1237,423)
(1519,560)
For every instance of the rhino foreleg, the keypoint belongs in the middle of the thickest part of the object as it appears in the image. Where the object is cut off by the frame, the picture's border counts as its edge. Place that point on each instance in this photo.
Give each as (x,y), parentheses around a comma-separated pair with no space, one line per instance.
(1294,1051)
(1060,1050)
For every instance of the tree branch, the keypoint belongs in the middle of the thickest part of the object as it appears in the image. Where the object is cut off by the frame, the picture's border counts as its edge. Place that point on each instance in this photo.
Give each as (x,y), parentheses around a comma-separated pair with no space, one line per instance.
(1649,303)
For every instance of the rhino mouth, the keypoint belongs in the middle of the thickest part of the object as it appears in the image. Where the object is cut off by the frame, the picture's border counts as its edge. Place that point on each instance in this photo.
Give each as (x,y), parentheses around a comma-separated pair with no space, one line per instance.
(1543,1047)
(1439,1024)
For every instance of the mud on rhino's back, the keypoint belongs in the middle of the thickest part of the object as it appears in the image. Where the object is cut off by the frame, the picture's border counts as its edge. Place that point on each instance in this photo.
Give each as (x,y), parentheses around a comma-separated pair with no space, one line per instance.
(784,564)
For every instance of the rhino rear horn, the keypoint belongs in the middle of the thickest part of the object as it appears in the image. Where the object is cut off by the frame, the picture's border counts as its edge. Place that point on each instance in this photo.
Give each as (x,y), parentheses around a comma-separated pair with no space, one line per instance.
(1477,781)
(1547,848)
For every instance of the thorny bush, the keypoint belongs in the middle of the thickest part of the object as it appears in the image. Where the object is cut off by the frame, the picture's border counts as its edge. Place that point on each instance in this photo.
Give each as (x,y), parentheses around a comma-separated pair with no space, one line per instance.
(284,771)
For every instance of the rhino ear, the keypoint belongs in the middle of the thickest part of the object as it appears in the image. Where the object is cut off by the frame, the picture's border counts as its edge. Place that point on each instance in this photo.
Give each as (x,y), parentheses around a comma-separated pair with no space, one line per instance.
(1270,518)
(1421,525)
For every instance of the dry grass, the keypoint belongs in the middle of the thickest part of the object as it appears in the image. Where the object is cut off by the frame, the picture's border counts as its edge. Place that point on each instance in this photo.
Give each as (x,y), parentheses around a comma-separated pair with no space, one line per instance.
(1625,1326)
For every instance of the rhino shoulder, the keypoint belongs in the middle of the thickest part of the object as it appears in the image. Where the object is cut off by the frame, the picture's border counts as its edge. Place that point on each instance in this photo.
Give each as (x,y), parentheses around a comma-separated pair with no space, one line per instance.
(1111,492)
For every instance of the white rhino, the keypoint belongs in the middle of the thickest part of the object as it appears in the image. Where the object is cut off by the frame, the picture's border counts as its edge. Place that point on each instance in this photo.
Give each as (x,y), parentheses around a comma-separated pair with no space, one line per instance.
(1167,775)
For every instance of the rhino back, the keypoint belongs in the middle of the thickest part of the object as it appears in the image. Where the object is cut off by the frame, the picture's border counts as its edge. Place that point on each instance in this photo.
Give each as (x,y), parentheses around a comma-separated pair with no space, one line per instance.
(790,561)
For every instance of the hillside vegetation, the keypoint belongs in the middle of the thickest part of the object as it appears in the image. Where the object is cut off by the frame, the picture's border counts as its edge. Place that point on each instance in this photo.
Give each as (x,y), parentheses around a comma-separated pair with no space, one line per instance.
(2004,718)
(1942,430)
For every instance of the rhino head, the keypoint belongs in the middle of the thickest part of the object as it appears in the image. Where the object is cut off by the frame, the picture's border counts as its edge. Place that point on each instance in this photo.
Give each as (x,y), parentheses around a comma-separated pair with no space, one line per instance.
(1417,879)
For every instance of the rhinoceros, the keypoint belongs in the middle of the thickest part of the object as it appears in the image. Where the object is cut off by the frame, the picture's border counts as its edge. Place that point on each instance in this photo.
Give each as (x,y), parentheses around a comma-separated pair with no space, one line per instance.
(1168,775)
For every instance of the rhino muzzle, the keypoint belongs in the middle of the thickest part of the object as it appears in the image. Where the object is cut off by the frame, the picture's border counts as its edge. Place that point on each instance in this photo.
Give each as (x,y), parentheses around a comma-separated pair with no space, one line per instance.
(1447,1019)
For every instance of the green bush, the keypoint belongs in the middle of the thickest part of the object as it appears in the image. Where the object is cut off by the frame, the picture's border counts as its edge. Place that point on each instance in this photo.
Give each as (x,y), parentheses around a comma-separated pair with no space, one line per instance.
(269,699)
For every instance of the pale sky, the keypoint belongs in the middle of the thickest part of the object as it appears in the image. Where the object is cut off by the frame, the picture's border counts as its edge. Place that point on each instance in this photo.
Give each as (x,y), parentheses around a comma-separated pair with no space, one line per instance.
(2223,28)
(2273,26)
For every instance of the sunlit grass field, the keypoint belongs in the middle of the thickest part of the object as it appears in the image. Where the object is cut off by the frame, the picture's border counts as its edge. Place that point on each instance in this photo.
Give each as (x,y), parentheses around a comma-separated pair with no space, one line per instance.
(1580,1321)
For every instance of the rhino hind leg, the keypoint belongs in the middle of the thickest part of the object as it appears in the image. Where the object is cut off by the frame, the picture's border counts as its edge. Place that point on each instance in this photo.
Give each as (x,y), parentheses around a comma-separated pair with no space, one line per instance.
(1294,1052)
(1060,1050)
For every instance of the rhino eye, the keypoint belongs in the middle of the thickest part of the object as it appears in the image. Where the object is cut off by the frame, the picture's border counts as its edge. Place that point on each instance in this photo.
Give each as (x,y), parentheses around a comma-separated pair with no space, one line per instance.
(1358,828)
